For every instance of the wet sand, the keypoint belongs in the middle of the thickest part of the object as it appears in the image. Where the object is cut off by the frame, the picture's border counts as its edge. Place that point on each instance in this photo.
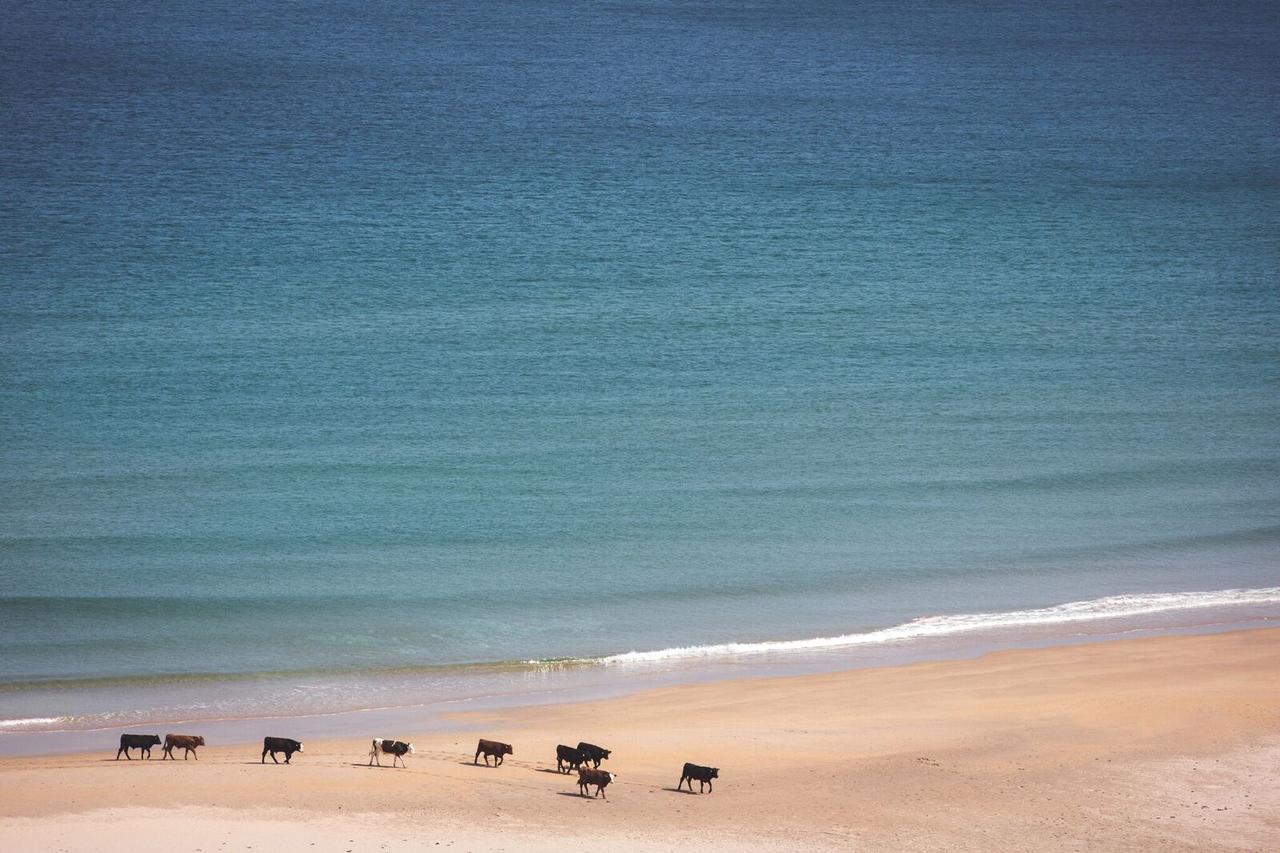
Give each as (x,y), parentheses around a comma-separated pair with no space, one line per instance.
(1165,743)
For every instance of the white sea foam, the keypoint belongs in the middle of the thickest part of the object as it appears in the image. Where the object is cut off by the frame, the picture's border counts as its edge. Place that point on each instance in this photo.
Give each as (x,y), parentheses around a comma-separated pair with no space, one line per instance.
(1111,607)
(29,722)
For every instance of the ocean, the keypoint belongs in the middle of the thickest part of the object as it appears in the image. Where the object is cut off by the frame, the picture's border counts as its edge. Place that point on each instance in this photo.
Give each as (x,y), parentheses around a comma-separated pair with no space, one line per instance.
(386,353)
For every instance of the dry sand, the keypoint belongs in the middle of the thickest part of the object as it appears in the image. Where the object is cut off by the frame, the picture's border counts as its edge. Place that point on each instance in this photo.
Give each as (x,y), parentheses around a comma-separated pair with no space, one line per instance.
(1164,743)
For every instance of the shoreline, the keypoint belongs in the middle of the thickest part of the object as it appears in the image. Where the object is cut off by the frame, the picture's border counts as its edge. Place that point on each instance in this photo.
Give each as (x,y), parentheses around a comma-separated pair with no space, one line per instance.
(330,705)
(1114,744)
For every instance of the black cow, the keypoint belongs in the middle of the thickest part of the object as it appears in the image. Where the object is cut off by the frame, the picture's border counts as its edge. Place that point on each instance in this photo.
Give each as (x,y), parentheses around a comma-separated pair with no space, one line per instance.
(704,775)
(599,778)
(594,754)
(280,744)
(568,759)
(494,748)
(397,749)
(142,743)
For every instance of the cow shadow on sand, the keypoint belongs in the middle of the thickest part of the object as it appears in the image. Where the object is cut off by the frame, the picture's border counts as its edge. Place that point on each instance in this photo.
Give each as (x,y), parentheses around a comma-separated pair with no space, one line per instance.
(364,766)
(680,791)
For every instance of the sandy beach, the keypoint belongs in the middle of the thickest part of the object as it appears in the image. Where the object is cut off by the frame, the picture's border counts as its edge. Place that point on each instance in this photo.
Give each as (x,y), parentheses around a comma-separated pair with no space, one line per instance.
(1157,743)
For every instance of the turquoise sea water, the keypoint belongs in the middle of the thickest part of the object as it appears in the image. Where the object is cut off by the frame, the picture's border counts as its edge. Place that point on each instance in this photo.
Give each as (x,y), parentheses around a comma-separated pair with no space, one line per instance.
(337,337)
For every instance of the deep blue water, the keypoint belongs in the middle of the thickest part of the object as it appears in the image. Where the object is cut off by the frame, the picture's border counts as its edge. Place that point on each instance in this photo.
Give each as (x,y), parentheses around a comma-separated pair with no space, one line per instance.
(345,334)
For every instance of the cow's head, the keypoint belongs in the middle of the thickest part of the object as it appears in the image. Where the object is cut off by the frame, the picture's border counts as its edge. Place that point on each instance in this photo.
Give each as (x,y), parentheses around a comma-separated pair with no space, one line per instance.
(154,740)
(604,753)
(507,750)
(199,740)
(715,772)
(299,746)
(409,749)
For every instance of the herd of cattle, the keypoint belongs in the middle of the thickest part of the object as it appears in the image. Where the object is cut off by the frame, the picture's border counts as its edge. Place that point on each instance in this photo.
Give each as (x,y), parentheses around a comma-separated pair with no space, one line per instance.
(568,758)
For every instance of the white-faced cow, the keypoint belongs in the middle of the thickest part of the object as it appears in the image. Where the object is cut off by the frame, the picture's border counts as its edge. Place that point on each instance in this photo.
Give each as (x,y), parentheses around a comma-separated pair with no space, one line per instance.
(280,744)
(397,749)
(588,776)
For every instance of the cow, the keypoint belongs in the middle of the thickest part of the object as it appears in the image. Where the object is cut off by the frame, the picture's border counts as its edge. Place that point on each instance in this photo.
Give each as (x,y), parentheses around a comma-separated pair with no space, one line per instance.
(397,749)
(704,775)
(280,744)
(599,778)
(594,754)
(142,743)
(568,759)
(494,748)
(187,743)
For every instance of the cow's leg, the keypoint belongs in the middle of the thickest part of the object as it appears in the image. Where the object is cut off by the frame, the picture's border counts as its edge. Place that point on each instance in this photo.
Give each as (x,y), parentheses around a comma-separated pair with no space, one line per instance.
(710,786)
(500,760)
(287,756)
(680,783)
(600,791)
(120,750)
(476,759)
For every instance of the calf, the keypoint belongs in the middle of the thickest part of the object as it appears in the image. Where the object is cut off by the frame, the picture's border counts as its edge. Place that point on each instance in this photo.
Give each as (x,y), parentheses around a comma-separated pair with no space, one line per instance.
(704,775)
(280,744)
(594,754)
(568,758)
(494,748)
(599,778)
(142,743)
(397,749)
(187,743)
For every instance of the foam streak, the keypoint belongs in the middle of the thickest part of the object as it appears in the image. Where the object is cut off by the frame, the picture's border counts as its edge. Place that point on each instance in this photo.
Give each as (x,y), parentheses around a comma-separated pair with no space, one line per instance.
(1111,607)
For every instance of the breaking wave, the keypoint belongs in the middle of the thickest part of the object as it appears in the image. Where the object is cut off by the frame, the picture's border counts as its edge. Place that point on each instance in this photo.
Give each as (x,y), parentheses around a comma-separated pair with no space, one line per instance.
(28,723)
(1110,607)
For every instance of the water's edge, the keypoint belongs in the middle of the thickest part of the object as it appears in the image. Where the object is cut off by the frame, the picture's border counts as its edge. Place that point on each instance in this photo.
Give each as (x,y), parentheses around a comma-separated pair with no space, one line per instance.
(427,700)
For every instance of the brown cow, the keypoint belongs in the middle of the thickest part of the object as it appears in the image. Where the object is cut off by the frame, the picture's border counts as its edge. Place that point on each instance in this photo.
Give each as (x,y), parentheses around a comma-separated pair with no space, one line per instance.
(187,742)
(494,748)
(589,776)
